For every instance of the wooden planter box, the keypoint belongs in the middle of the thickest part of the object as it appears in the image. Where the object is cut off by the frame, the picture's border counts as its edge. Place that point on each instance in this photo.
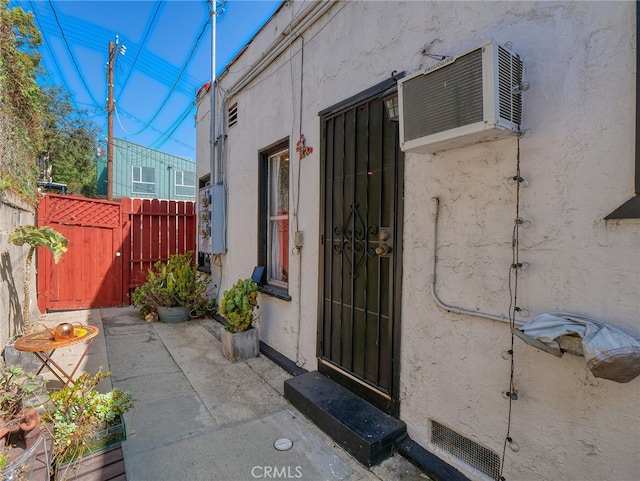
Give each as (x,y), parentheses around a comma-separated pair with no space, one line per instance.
(105,461)
(106,465)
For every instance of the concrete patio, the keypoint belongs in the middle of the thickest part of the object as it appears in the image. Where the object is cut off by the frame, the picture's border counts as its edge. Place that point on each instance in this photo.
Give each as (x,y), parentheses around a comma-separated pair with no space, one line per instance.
(198,417)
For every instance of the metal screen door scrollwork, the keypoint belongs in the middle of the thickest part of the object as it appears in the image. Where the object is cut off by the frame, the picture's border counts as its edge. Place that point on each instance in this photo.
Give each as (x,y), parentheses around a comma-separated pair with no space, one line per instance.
(352,240)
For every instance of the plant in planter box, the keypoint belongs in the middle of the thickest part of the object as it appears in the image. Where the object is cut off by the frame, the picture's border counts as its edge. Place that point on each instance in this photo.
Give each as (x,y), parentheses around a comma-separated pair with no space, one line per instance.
(240,338)
(175,283)
(238,305)
(83,420)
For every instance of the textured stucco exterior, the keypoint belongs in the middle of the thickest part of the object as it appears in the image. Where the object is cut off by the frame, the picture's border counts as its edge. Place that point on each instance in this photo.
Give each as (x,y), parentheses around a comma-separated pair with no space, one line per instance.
(579,163)
(14,212)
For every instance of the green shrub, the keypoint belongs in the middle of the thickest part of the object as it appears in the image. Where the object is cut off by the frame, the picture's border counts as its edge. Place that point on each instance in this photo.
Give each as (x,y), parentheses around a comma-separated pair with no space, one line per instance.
(177,282)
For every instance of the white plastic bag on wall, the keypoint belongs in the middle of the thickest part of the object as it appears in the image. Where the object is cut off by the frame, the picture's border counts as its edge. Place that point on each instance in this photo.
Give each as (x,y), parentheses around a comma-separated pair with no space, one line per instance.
(609,352)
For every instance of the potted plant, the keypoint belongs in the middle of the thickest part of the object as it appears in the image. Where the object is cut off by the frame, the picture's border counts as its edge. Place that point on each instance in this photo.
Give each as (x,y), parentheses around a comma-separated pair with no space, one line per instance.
(83,421)
(174,289)
(15,387)
(239,338)
(19,422)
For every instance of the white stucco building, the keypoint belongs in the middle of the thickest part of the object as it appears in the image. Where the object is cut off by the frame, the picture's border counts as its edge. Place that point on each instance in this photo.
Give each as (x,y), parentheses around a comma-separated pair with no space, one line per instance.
(348,226)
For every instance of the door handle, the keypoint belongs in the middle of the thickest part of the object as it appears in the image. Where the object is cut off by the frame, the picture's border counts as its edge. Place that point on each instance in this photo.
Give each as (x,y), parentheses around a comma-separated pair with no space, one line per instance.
(118,254)
(383,249)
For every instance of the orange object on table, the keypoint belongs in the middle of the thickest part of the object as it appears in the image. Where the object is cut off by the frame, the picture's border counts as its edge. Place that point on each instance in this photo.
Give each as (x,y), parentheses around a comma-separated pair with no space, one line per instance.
(42,344)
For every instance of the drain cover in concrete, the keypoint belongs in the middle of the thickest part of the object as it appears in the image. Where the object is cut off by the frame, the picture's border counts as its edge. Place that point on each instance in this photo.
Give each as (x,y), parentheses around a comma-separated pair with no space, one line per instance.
(283,444)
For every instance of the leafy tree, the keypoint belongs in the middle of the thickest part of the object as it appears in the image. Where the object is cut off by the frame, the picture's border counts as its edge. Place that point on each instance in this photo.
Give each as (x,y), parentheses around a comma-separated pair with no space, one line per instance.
(21,132)
(38,121)
(70,140)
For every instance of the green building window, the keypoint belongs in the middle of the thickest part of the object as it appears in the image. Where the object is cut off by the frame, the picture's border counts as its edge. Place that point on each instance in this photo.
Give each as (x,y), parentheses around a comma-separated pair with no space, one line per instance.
(185,183)
(143,180)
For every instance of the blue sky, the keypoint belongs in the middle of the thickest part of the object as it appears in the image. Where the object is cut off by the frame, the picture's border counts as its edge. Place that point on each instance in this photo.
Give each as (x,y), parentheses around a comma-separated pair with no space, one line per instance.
(168,57)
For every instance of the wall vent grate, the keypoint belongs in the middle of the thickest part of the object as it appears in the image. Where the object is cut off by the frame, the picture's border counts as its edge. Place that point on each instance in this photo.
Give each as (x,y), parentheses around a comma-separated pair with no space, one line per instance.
(466,450)
(232,115)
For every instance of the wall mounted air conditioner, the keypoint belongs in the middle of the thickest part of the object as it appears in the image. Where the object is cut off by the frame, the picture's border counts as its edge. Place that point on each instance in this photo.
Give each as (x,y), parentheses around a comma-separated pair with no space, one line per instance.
(473,97)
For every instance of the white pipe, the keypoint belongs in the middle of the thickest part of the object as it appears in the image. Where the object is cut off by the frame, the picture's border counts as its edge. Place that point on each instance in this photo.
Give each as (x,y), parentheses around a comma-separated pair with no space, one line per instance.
(435,207)
(213,177)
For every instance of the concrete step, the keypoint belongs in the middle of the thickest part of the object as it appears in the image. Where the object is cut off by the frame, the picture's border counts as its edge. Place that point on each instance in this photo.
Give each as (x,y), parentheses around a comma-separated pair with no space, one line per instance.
(363,430)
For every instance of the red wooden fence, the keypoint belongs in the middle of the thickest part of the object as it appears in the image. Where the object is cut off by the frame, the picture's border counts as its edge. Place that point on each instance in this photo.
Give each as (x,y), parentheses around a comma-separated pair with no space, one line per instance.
(90,272)
(111,247)
(152,231)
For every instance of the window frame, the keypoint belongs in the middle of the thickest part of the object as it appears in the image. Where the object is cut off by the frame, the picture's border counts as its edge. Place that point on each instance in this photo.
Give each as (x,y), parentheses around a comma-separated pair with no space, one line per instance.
(631,208)
(182,184)
(141,176)
(279,289)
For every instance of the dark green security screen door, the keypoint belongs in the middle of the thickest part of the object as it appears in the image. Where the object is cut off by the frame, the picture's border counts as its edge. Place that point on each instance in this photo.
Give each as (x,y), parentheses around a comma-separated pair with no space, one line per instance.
(361,248)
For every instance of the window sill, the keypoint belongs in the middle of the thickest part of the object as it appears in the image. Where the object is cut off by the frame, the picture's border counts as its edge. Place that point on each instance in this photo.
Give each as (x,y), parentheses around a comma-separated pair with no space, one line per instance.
(275,292)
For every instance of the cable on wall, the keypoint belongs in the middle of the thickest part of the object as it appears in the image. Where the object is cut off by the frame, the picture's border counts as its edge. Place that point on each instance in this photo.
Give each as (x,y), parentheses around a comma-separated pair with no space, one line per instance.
(293,177)
(512,393)
(300,361)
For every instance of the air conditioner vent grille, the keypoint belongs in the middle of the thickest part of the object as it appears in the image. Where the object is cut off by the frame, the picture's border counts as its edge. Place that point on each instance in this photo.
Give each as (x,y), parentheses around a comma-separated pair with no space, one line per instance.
(466,450)
(509,75)
(447,98)
(464,100)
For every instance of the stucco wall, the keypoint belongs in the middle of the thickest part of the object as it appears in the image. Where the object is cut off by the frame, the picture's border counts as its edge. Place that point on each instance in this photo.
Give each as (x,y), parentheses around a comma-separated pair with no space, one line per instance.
(579,59)
(13,213)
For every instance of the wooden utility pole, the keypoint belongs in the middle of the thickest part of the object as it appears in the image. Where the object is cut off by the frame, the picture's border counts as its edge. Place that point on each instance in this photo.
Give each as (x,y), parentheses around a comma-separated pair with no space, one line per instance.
(110,109)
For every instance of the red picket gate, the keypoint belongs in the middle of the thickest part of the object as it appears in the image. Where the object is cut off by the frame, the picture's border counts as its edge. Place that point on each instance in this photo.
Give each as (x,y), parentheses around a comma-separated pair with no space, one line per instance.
(111,247)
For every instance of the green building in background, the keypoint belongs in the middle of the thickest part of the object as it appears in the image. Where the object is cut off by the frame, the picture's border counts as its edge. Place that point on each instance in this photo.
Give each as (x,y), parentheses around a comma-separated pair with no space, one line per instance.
(141,172)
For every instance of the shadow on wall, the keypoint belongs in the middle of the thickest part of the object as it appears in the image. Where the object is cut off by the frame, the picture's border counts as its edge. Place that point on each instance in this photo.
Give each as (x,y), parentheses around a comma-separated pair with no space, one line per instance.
(15,310)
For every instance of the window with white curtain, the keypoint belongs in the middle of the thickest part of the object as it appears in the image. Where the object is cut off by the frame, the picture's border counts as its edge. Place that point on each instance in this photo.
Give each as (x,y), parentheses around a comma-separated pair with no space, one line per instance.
(273,249)
(278,221)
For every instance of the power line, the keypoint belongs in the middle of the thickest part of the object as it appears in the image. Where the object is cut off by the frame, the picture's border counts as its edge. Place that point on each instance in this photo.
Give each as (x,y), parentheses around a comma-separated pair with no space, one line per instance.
(133,117)
(144,41)
(75,64)
(72,31)
(95,37)
(53,57)
(184,67)
(159,143)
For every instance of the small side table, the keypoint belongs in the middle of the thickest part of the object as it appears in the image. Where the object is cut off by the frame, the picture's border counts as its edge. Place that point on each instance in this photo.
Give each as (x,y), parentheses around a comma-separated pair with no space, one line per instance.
(42,345)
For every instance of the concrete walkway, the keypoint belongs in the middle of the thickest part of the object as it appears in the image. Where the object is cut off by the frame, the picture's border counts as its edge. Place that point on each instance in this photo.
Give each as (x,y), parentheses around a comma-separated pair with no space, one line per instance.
(198,417)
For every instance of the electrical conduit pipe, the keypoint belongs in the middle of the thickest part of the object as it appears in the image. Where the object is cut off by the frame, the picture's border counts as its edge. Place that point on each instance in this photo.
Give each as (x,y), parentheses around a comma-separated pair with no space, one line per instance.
(435,207)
